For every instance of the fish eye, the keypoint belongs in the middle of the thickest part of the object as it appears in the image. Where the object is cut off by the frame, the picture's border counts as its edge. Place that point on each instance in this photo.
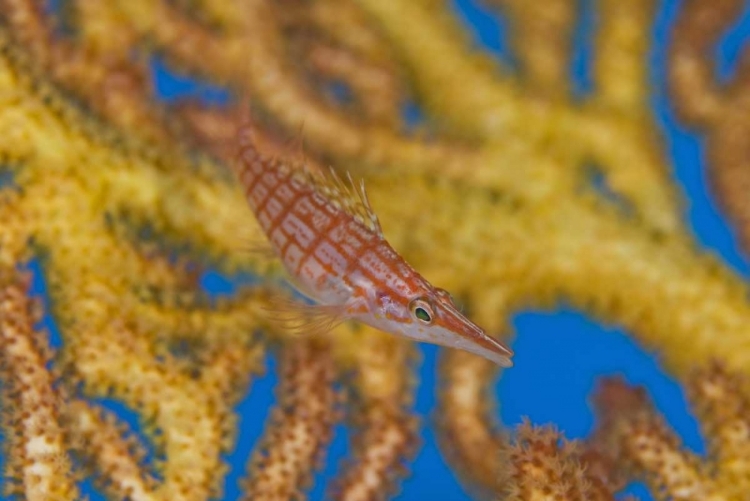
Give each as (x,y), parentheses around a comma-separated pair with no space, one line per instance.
(421,311)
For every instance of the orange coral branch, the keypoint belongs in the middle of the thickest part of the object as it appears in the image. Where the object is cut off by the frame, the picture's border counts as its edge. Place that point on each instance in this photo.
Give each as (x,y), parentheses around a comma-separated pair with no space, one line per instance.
(720,112)
(98,439)
(546,466)
(300,426)
(375,89)
(698,27)
(385,430)
(638,441)
(39,468)
(722,405)
(542,33)
(468,428)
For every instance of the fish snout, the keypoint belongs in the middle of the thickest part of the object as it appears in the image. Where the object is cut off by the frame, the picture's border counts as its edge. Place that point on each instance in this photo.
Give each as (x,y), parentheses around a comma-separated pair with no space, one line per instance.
(499,352)
(474,339)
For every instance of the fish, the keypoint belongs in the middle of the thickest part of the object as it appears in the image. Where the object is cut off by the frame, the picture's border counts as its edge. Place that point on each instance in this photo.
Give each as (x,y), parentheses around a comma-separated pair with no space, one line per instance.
(331,243)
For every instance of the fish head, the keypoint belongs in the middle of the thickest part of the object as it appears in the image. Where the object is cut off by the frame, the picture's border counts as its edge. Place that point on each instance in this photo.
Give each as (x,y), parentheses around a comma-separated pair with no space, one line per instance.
(432,316)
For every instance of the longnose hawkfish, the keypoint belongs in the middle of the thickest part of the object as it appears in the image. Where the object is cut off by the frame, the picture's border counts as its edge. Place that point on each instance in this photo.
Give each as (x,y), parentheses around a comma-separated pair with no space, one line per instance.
(331,243)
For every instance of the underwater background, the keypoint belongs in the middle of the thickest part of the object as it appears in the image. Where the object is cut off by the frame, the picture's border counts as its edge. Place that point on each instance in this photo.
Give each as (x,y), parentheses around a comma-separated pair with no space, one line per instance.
(560,354)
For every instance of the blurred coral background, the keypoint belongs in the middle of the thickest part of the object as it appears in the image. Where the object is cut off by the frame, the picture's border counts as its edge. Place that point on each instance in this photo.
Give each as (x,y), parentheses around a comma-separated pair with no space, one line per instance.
(560,355)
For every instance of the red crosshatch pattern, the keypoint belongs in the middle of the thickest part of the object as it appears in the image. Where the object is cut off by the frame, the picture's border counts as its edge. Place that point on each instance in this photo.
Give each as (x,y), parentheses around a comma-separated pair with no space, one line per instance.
(323,246)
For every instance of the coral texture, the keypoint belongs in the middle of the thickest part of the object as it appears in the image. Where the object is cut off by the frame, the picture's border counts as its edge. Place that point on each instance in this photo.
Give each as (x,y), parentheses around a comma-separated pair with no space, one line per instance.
(125,201)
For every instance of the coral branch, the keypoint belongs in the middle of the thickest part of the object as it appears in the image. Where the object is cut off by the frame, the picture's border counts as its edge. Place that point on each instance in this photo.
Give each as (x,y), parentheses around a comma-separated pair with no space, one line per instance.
(426,39)
(38,468)
(722,400)
(300,426)
(699,26)
(113,85)
(636,439)
(622,73)
(385,430)
(719,111)
(542,34)
(374,88)
(99,441)
(545,466)
(502,212)
(466,422)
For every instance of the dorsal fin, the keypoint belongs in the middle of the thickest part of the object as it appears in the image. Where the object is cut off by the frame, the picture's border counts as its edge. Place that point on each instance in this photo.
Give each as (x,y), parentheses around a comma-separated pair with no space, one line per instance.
(350,197)
(346,195)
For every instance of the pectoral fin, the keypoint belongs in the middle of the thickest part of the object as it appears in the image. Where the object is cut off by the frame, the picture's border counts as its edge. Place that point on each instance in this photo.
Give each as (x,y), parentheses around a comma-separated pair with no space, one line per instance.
(295,317)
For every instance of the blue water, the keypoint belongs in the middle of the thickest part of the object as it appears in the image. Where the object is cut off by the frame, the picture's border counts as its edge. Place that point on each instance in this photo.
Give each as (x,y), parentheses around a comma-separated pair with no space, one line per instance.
(559,355)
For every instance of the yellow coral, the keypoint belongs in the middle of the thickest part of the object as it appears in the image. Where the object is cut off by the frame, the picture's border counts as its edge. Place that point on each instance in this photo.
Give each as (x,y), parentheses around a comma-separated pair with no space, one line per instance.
(111,192)
(638,440)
